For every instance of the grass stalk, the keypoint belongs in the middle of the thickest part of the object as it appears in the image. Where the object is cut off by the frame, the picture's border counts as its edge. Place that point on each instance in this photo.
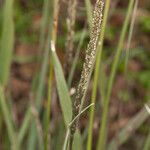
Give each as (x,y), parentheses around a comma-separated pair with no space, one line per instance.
(8,120)
(102,83)
(38,126)
(147,142)
(44,23)
(24,127)
(96,74)
(130,34)
(70,124)
(102,132)
(48,110)
(7,41)
(40,92)
(88,65)
(89,12)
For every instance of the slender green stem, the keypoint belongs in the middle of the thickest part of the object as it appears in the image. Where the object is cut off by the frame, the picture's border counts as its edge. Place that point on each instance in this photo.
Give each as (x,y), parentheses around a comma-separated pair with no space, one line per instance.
(46,132)
(147,142)
(24,126)
(80,114)
(66,139)
(96,74)
(40,90)
(102,132)
(44,23)
(7,41)
(8,120)
(89,12)
(130,34)
(53,38)
(70,124)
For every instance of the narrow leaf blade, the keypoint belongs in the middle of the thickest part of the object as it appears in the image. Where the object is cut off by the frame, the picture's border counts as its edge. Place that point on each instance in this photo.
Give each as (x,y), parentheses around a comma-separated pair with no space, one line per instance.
(65,100)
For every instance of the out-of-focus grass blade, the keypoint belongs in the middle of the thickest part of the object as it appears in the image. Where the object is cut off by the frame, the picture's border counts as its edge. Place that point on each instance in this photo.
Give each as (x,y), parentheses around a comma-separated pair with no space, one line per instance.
(127,131)
(39,94)
(89,12)
(46,119)
(51,35)
(7,118)
(57,140)
(74,64)
(25,59)
(63,93)
(102,132)
(24,126)
(45,19)
(130,34)
(102,83)
(147,142)
(7,41)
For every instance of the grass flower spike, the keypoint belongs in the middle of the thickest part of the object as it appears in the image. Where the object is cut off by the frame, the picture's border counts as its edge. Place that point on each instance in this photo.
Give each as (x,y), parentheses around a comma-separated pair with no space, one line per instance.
(89,61)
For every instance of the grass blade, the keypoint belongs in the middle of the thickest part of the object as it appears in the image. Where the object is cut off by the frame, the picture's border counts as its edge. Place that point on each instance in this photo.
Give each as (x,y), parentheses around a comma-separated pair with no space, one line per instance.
(44,23)
(63,93)
(7,41)
(8,119)
(52,34)
(147,142)
(89,12)
(130,34)
(71,19)
(25,126)
(65,100)
(102,132)
(48,110)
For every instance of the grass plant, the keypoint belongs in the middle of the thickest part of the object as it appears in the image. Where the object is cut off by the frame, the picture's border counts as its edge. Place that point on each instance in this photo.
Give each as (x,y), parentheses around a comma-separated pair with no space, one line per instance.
(38,129)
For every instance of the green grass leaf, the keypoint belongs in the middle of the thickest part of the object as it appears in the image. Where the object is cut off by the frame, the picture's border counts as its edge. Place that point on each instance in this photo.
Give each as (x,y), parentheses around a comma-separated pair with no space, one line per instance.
(65,100)
(7,41)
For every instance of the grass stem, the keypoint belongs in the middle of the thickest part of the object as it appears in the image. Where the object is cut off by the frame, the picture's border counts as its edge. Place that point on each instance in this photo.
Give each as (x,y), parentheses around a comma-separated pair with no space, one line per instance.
(102,132)
(96,74)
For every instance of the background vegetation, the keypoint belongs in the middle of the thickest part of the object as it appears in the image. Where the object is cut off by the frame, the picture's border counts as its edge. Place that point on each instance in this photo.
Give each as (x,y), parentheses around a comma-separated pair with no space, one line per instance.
(42,51)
